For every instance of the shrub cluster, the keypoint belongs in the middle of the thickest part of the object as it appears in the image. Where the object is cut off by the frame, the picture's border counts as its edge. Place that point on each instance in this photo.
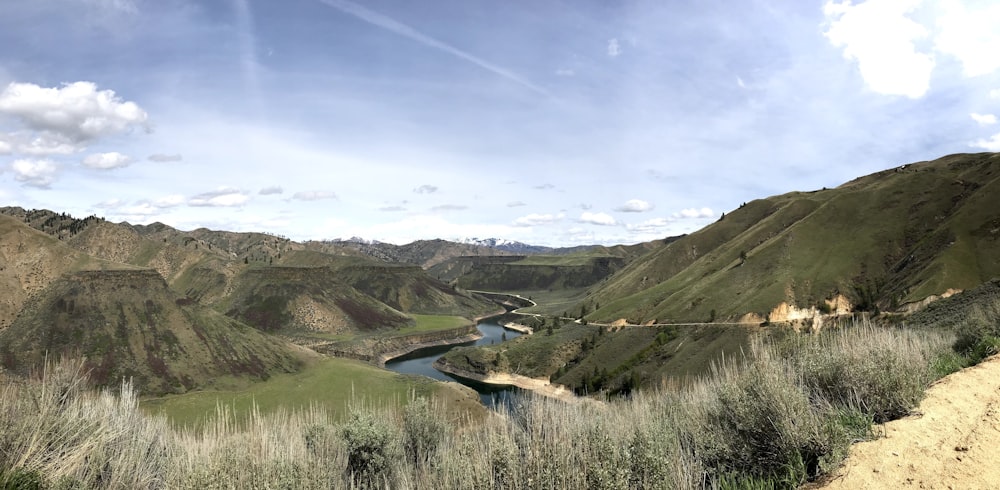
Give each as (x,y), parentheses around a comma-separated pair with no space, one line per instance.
(781,415)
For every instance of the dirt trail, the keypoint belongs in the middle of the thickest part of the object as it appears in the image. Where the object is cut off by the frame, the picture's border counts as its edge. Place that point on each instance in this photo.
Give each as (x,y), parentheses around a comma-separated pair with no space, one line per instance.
(951,442)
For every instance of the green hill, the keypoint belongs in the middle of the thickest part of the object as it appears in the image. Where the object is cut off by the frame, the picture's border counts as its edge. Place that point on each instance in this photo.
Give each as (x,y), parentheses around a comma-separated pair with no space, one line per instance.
(129,324)
(879,241)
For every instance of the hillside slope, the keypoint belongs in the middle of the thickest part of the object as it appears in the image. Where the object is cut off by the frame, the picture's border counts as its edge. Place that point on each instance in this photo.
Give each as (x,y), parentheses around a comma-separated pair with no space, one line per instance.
(30,260)
(129,324)
(879,241)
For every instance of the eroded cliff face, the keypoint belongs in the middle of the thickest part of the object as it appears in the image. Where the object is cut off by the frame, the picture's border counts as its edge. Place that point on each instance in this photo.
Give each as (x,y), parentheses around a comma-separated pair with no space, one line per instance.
(919,305)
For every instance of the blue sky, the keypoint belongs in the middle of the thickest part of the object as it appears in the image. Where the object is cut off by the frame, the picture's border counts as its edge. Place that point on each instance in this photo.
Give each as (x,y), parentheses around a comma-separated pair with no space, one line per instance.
(550,122)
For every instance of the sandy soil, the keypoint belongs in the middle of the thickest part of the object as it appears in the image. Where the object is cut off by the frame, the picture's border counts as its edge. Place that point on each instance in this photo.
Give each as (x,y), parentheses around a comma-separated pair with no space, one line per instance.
(952,441)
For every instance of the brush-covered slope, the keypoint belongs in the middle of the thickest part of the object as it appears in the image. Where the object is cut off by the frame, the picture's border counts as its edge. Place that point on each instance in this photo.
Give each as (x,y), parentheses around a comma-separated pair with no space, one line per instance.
(348,294)
(30,260)
(532,273)
(130,324)
(562,269)
(305,298)
(888,238)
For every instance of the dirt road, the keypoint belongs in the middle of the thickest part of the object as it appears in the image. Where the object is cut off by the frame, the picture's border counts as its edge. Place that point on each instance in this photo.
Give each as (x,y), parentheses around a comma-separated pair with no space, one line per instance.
(951,442)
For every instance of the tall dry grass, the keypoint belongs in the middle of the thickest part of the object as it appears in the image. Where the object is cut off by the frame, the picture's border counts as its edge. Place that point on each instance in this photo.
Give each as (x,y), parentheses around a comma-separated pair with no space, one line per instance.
(773,418)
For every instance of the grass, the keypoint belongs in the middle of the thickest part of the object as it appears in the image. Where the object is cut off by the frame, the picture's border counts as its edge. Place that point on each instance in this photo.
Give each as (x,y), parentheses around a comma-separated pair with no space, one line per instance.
(766,420)
(924,229)
(554,302)
(581,258)
(432,323)
(329,383)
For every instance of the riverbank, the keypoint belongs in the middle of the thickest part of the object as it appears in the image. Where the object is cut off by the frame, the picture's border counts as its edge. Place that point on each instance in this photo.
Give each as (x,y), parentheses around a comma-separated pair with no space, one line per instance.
(388,356)
(517,327)
(540,386)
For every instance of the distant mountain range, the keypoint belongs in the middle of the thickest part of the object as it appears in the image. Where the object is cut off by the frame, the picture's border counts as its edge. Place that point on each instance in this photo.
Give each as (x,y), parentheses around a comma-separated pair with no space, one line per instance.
(505,245)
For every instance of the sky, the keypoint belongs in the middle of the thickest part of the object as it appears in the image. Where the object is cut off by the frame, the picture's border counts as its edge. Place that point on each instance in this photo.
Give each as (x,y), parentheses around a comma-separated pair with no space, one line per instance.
(551,122)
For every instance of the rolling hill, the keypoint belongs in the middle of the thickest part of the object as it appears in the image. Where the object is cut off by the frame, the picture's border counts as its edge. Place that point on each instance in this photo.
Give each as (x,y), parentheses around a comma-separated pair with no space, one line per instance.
(877,242)
(129,324)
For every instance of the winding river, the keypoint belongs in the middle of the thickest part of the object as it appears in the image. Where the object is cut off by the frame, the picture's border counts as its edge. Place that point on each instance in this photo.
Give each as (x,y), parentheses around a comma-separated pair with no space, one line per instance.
(420,361)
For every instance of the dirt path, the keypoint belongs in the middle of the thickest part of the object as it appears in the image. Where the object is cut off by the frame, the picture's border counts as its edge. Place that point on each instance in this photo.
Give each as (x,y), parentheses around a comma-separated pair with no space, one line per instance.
(951,442)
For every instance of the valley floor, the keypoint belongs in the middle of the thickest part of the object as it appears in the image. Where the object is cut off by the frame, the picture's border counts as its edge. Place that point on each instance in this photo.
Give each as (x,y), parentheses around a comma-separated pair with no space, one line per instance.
(949,442)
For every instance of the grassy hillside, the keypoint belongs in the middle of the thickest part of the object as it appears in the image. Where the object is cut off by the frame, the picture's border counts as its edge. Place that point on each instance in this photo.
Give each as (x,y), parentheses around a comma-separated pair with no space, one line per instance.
(889,238)
(536,272)
(129,324)
(30,260)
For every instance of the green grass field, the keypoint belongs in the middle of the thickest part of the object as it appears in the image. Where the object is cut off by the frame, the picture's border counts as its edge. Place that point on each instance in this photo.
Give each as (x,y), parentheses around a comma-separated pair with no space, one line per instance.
(331,383)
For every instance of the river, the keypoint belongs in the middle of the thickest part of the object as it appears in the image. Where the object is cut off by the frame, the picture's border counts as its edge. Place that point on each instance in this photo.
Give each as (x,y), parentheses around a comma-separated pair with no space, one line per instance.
(420,362)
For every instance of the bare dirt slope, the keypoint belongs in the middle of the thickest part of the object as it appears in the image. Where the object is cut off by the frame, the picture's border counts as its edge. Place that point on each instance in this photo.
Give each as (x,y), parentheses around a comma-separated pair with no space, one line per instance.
(952,441)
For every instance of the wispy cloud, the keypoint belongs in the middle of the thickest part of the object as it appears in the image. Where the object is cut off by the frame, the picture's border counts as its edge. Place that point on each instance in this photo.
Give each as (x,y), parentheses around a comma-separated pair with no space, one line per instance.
(536,219)
(426,189)
(271,190)
(221,197)
(449,207)
(106,161)
(314,195)
(635,206)
(164,158)
(397,27)
(984,119)
(614,48)
(601,219)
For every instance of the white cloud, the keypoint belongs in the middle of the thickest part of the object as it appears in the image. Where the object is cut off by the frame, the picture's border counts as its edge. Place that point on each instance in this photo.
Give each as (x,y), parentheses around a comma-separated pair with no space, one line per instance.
(601,219)
(984,119)
(693,213)
(5,147)
(314,195)
(75,113)
(47,145)
(222,197)
(516,204)
(268,191)
(171,201)
(971,35)
(880,36)
(35,173)
(163,158)
(106,161)
(536,219)
(110,204)
(992,144)
(995,93)
(650,226)
(635,206)
(449,207)
(426,189)
(614,48)
(391,209)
